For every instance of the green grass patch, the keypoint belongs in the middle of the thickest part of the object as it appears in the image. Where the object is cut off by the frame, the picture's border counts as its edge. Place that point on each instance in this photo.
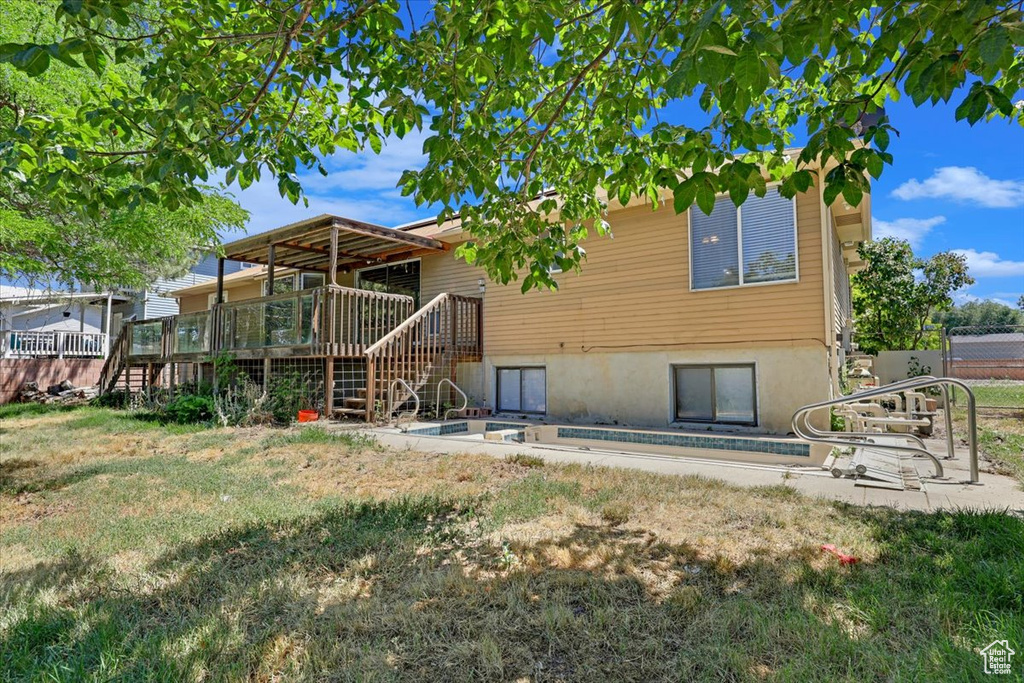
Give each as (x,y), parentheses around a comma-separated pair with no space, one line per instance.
(318,435)
(167,561)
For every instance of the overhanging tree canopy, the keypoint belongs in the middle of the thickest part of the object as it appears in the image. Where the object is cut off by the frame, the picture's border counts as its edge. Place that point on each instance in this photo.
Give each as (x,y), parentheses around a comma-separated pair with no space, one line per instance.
(44,237)
(519,96)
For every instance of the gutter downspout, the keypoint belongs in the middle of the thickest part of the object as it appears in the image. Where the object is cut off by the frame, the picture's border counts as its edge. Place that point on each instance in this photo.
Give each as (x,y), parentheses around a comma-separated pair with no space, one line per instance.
(827,285)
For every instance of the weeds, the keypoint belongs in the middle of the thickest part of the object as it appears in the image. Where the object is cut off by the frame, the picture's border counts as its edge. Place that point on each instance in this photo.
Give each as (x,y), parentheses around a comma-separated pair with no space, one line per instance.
(525,460)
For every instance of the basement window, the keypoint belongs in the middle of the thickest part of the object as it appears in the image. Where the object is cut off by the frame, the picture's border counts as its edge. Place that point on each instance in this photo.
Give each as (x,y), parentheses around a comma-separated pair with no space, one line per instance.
(722,394)
(522,390)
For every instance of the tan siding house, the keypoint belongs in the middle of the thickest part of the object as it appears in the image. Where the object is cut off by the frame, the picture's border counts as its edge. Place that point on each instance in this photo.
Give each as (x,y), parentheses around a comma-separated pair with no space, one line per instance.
(730,321)
(609,337)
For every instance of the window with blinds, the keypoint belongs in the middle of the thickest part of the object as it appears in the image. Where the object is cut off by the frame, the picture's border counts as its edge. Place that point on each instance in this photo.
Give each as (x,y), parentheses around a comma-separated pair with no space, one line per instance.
(750,245)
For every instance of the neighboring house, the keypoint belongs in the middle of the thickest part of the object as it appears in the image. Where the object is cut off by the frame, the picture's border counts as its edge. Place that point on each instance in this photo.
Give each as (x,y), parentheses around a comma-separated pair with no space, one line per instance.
(149,303)
(53,324)
(729,321)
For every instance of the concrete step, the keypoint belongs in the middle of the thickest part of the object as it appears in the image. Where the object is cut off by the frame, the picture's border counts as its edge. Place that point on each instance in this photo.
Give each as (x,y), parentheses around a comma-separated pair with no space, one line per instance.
(350,412)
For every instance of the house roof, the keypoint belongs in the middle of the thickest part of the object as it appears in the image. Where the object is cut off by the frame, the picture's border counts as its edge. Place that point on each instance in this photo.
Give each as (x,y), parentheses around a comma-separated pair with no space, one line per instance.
(307,244)
(10,294)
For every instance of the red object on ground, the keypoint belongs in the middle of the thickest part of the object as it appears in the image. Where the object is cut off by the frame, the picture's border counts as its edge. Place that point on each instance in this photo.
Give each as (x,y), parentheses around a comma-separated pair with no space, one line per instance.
(308,416)
(843,558)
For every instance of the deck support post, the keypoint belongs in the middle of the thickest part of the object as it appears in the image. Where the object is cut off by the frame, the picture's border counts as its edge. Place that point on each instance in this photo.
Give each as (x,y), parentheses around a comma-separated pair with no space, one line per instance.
(329,387)
(270,270)
(220,281)
(106,325)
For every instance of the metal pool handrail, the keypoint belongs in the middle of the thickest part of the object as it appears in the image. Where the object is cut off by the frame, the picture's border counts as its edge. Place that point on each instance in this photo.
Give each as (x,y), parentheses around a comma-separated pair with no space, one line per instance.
(809,433)
(437,403)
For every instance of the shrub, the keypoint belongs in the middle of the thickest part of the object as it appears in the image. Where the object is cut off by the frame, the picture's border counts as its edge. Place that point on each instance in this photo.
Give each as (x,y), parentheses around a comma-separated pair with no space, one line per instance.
(118,398)
(290,392)
(189,409)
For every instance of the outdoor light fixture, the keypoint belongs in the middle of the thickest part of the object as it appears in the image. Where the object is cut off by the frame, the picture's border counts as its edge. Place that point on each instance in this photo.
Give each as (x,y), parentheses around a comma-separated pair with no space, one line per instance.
(481,285)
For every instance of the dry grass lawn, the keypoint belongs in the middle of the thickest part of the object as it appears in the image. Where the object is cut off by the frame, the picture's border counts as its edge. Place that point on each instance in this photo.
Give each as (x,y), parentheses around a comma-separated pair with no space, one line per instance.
(132,550)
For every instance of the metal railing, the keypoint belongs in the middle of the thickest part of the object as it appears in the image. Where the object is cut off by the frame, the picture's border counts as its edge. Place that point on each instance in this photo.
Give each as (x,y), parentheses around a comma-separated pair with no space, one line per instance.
(394,402)
(806,431)
(52,344)
(437,402)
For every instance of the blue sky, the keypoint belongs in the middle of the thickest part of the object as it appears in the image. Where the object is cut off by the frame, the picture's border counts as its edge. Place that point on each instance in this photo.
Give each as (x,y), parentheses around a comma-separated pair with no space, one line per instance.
(951,187)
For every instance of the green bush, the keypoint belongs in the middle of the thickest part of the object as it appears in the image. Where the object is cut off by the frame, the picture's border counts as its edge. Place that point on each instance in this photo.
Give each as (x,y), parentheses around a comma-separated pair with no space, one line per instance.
(118,398)
(189,409)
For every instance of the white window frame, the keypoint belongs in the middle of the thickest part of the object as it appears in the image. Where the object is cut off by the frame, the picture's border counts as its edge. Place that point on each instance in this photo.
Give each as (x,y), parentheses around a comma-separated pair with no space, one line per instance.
(211,299)
(739,248)
(302,277)
(497,388)
(674,393)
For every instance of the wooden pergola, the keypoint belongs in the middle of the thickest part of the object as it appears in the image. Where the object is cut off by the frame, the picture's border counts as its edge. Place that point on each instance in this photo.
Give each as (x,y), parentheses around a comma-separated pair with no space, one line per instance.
(325,244)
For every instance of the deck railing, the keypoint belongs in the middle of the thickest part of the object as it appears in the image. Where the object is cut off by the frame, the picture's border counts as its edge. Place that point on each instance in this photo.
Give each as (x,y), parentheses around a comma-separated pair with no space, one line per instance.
(52,344)
(325,321)
(355,319)
(190,333)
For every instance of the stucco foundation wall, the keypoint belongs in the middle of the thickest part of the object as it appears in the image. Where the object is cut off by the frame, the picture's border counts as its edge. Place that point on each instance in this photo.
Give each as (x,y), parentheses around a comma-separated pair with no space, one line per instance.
(636,388)
(14,372)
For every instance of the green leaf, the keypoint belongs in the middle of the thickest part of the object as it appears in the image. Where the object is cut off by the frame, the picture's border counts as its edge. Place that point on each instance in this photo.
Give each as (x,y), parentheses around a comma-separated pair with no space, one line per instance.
(881,138)
(720,49)
(95,58)
(8,50)
(706,197)
(874,165)
(33,60)
(375,142)
(802,180)
(833,190)
(739,190)
(71,7)
(852,194)
(684,195)
(993,43)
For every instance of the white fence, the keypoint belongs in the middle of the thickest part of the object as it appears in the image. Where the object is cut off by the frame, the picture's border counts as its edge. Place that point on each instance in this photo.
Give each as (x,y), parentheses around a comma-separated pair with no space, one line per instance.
(56,344)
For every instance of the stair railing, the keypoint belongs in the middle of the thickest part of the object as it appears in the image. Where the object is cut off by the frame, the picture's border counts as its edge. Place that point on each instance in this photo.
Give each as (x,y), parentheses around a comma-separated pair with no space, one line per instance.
(806,431)
(437,403)
(116,360)
(446,328)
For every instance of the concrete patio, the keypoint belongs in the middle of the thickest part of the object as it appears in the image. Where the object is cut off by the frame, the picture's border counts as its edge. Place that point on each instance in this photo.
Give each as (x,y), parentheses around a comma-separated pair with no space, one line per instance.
(994,492)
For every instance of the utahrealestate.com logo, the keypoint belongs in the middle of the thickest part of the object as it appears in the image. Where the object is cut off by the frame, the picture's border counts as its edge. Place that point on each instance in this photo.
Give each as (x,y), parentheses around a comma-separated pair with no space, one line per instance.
(998,656)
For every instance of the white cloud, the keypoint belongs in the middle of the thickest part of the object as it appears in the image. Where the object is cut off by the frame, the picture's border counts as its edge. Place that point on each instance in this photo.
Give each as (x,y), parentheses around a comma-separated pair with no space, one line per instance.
(268,209)
(369,171)
(988,264)
(964,184)
(912,230)
(961,298)
(360,186)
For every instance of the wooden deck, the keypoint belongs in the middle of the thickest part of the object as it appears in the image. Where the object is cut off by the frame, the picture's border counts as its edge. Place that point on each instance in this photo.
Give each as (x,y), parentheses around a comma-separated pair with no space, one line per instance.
(382,331)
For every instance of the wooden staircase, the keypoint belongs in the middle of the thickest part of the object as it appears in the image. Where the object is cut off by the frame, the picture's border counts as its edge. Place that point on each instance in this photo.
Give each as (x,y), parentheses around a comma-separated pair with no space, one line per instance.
(118,372)
(116,361)
(421,351)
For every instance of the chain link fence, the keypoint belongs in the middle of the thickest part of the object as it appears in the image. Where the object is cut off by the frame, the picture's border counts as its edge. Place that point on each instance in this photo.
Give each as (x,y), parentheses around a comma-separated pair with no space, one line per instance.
(990,359)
